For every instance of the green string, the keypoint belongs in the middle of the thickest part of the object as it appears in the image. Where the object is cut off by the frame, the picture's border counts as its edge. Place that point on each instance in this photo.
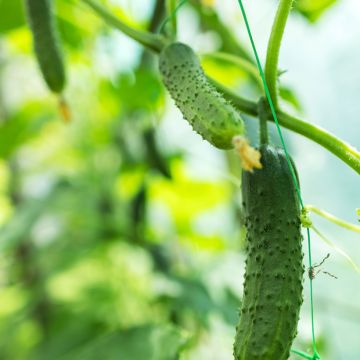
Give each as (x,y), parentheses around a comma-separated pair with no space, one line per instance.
(315,355)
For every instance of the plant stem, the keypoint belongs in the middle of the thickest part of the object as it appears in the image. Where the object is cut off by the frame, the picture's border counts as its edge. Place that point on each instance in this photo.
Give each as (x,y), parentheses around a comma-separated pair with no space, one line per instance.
(273,50)
(244,105)
(157,16)
(338,147)
(171,9)
(263,116)
(333,218)
(151,41)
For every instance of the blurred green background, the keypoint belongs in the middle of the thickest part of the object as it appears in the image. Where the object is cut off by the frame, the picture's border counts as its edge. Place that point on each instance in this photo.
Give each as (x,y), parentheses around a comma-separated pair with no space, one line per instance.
(121,233)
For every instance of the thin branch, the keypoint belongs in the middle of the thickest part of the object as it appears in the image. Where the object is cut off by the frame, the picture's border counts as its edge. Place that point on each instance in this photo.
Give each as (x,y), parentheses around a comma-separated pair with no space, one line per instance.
(244,105)
(157,16)
(338,147)
(151,41)
(171,9)
(273,50)
(333,218)
(262,110)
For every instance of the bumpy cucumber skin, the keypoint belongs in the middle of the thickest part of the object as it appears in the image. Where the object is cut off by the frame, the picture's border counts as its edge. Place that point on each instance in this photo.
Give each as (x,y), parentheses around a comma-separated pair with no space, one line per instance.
(210,115)
(46,43)
(274,268)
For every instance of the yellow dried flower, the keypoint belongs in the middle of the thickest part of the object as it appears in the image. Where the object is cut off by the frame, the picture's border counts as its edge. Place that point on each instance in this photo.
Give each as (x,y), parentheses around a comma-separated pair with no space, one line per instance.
(249,157)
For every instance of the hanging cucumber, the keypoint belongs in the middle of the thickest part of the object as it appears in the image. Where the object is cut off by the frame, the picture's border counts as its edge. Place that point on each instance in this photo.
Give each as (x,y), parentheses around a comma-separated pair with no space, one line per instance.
(274,270)
(46,43)
(210,115)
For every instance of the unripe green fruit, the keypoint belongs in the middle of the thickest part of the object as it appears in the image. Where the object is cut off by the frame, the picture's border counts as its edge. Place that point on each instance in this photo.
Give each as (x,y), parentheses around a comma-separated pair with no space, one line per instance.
(46,43)
(274,269)
(210,115)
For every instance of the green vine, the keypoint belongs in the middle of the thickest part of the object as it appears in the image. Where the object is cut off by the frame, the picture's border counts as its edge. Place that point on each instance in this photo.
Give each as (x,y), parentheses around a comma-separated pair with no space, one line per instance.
(262,110)
(338,147)
(273,50)
(154,42)
(171,9)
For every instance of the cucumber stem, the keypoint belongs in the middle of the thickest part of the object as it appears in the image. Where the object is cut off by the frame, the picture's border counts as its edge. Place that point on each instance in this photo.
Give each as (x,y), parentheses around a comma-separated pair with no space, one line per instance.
(263,116)
(344,151)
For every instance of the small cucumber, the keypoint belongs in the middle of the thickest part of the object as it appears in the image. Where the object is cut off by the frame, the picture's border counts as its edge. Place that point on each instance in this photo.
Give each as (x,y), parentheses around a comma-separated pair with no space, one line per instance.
(46,43)
(274,270)
(210,115)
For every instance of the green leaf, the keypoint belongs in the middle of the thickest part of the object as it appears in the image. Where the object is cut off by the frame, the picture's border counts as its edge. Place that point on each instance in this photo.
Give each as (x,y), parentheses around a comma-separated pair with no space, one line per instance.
(193,298)
(73,28)
(150,342)
(22,126)
(141,90)
(230,306)
(290,97)
(70,34)
(11,15)
(313,9)
(19,226)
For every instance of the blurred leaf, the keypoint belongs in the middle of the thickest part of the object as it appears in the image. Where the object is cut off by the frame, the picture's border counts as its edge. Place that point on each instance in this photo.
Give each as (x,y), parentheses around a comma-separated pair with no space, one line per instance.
(230,73)
(72,25)
(140,91)
(313,9)
(11,15)
(22,126)
(20,225)
(247,68)
(230,306)
(212,242)
(290,97)
(211,21)
(322,345)
(25,217)
(150,342)
(70,34)
(192,299)
(11,300)
(185,196)
(154,156)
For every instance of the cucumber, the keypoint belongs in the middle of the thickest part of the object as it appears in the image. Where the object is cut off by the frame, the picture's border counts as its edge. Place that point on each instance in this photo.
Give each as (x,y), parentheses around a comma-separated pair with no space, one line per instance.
(46,43)
(210,115)
(274,269)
